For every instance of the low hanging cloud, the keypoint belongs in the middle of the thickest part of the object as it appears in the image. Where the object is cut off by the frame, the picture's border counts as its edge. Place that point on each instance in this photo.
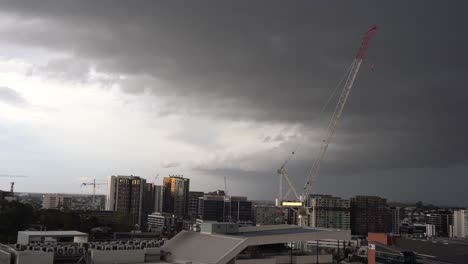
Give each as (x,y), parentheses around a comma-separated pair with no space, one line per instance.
(168,165)
(275,62)
(12,97)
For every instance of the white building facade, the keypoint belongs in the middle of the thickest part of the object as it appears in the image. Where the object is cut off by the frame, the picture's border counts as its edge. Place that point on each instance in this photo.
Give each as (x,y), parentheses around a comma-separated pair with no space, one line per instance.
(460,224)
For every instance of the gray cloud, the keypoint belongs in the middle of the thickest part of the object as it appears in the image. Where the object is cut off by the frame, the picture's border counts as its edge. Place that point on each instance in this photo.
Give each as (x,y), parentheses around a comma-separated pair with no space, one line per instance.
(170,165)
(276,61)
(11,97)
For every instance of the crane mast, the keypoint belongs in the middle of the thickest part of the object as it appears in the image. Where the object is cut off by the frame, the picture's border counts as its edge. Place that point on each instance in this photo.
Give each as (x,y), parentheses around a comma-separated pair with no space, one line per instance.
(94,184)
(332,125)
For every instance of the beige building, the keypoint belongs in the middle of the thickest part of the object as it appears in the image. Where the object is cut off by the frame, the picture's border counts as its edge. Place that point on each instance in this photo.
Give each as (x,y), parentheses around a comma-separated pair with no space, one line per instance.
(460,224)
(56,201)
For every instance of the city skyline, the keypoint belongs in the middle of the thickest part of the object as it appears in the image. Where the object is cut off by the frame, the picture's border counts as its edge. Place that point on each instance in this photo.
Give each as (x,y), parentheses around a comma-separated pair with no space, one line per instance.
(89,91)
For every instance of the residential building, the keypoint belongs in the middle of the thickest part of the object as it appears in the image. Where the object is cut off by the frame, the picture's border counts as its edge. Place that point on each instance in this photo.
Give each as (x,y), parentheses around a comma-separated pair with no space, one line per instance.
(329,212)
(368,215)
(132,196)
(176,195)
(442,220)
(267,215)
(219,207)
(193,204)
(460,223)
(155,221)
(56,201)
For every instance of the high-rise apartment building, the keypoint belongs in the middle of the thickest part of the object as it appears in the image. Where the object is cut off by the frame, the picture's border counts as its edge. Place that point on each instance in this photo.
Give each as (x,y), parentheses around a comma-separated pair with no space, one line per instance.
(56,201)
(132,196)
(193,204)
(460,224)
(368,215)
(176,195)
(329,212)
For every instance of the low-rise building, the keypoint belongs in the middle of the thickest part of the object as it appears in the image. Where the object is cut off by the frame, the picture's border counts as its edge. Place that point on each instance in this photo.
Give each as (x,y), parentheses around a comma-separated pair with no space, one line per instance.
(56,201)
(267,215)
(442,220)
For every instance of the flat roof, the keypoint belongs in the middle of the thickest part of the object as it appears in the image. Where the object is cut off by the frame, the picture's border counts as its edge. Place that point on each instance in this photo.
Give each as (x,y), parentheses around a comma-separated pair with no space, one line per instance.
(275,232)
(53,233)
(214,248)
(446,250)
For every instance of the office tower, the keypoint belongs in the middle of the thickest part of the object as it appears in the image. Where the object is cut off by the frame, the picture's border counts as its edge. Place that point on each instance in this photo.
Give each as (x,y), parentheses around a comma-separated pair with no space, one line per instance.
(368,215)
(56,201)
(158,198)
(221,208)
(176,195)
(329,212)
(193,204)
(130,195)
(460,224)
(394,219)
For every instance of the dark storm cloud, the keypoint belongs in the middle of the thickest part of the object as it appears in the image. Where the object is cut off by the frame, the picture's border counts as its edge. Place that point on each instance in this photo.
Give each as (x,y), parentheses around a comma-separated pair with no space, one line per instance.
(277,61)
(11,97)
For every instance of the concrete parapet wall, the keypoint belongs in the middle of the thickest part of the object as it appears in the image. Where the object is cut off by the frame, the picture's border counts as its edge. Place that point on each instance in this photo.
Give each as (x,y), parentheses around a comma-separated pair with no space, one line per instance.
(34,257)
(118,256)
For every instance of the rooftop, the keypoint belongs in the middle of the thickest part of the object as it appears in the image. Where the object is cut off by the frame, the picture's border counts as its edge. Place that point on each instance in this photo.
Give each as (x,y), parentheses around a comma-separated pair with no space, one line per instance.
(221,248)
(53,233)
(445,250)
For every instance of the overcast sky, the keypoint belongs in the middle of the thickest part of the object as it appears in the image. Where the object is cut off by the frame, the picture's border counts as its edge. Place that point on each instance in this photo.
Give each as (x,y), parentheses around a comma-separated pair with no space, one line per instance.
(210,89)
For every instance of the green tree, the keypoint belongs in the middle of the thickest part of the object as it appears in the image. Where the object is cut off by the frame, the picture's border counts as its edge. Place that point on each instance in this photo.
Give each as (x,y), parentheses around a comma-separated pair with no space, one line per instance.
(121,222)
(14,217)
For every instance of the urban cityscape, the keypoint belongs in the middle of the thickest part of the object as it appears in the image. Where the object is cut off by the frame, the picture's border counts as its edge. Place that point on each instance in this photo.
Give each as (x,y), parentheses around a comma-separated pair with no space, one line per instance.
(233,132)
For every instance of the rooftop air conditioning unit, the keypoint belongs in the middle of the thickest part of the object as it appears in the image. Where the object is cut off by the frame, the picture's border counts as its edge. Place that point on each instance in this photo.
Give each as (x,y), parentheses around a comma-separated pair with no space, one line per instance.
(60,251)
(71,251)
(81,251)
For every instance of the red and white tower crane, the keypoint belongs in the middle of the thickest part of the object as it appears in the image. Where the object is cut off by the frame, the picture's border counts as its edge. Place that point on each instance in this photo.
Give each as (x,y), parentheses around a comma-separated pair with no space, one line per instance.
(329,132)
